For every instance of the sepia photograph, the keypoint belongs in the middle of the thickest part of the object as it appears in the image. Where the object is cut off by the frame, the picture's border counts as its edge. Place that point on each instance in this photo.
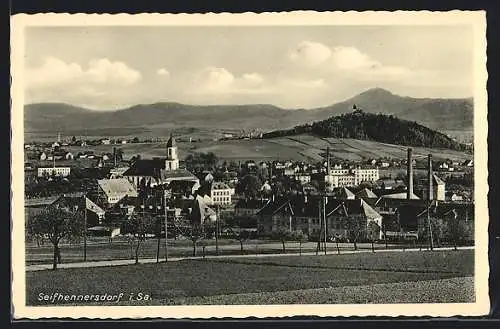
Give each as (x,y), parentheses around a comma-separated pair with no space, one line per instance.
(237,165)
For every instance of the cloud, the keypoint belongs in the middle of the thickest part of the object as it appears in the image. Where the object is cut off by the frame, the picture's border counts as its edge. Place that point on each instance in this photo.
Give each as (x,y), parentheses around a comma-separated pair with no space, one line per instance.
(214,79)
(211,80)
(163,72)
(308,84)
(350,58)
(102,82)
(342,61)
(56,72)
(309,53)
(252,78)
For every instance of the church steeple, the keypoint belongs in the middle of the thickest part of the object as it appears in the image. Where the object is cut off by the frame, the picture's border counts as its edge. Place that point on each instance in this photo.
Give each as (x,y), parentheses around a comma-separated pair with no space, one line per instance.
(171,141)
(172,162)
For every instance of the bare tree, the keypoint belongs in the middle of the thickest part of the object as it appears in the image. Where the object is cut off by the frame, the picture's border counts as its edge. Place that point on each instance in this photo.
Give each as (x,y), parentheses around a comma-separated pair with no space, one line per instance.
(57,223)
(300,237)
(239,226)
(195,234)
(456,230)
(282,235)
(373,233)
(355,228)
(138,226)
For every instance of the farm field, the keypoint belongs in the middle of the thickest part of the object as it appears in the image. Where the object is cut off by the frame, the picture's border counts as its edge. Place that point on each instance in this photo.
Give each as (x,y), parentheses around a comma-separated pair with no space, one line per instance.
(439,276)
(301,148)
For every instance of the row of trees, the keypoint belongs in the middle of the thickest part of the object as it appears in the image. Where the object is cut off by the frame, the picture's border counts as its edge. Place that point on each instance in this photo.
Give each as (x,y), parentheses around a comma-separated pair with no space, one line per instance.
(57,223)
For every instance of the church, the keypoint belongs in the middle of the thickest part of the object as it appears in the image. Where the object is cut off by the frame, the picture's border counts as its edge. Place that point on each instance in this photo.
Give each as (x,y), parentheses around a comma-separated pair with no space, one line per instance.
(159,171)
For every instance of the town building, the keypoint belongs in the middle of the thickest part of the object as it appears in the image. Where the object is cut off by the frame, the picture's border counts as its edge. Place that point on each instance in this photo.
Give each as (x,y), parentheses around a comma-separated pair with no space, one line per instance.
(247,207)
(54,171)
(117,172)
(366,194)
(35,206)
(221,193)
(351,177)
(438,189)
(301,213)
(343,193)
(303,178)
(116,189)
(159,171)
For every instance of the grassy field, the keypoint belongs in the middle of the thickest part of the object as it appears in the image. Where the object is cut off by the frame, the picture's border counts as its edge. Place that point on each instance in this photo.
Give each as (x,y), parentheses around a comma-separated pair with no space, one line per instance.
(302,148)
(354,278)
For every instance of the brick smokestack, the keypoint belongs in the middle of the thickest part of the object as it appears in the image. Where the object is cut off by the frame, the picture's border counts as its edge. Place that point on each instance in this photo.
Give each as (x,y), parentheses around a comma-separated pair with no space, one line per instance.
(430,192)
(328,188)
(328,160)
(409,174)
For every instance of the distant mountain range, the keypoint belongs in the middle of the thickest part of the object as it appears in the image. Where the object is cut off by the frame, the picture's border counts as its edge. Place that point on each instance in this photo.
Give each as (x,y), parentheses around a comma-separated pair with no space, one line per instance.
(439,114)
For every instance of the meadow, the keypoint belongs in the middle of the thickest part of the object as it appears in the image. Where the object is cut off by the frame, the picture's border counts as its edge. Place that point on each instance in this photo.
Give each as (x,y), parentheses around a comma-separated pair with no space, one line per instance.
(398,277)
(300,148)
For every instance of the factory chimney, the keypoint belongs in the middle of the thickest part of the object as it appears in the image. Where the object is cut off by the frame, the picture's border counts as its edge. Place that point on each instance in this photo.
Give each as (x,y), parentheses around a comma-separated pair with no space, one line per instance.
(328,160)
(409,174)
(430,192)
(328,187)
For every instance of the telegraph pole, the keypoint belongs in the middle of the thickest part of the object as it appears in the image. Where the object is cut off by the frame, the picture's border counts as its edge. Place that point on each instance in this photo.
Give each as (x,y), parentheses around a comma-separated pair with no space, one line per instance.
(324,220)
(217,229)
(85,228)
(431,240)
(321,226)
(166,224)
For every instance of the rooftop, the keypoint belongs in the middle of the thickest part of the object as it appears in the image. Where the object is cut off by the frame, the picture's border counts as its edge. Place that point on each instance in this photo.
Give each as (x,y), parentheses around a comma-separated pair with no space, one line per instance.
(219,186)
(46,201)
(117,187)
(145,167)
(366,193)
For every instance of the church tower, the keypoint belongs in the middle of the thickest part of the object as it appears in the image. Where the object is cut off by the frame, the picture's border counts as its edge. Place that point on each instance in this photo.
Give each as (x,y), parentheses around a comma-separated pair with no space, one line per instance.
(172,162)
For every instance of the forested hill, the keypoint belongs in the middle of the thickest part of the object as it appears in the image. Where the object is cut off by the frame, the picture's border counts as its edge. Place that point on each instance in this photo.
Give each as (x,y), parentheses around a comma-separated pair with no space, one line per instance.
(376,127)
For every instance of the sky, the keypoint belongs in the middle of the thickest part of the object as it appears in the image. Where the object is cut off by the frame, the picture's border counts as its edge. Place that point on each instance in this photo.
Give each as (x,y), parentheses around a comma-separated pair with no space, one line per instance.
(111,67)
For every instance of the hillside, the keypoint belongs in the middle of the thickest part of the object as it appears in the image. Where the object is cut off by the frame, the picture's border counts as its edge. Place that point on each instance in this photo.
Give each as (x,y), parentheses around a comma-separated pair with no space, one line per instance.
(375,127)
(436,113)
(52,117)
(440,114)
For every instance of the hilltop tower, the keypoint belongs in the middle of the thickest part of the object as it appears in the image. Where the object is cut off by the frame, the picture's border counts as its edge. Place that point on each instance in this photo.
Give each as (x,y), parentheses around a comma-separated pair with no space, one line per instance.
(172,161)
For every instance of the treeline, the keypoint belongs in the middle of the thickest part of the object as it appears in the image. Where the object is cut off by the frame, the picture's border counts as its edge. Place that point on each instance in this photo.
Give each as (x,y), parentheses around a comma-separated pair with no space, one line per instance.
(377,127)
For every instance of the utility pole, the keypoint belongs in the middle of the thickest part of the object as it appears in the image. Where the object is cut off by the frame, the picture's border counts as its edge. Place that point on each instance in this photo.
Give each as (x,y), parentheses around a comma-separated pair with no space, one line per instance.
(166,224)
(85,228)
(431,242)
(324,220)
(159,234)
(217,229)
(321,226)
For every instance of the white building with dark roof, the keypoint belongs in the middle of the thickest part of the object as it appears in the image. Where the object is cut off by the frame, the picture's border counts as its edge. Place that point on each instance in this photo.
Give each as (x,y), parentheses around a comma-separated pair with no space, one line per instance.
(351,177)
(221,193)
(54,171)
(116,189)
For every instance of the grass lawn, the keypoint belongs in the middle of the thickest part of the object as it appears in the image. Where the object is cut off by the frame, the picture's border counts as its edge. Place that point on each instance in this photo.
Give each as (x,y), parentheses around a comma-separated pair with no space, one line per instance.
(178,282)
